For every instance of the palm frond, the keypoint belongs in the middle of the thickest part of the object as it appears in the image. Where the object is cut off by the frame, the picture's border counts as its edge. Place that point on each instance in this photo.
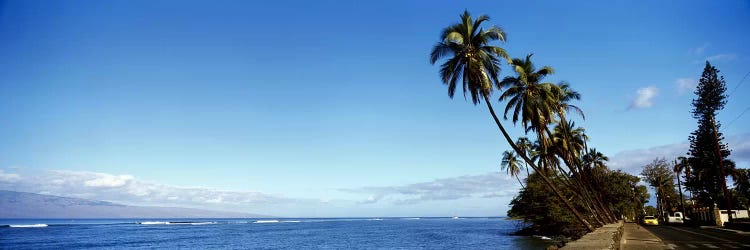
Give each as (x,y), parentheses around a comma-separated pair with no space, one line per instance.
(439,51)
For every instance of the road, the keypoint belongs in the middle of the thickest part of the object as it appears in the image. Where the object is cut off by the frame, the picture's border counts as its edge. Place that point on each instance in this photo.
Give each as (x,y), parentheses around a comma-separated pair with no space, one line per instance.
(677,237)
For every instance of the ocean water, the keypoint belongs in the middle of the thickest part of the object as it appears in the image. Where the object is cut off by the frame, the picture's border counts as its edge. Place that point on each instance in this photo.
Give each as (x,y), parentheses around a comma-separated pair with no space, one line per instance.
(287,233)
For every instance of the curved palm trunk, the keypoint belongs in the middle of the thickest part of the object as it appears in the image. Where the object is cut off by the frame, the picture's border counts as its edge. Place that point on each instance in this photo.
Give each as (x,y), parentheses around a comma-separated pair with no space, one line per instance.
(544,177)
(586,182)
(585,190)
(519,182)
(588,198)
(581,195)
(526,165)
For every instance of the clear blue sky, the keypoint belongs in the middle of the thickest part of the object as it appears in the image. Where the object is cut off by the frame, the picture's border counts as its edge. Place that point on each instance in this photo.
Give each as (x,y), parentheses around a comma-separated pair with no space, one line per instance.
(332,106)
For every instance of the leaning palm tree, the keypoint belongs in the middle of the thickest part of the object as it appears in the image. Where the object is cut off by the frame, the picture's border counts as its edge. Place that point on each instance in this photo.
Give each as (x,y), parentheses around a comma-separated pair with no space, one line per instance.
(595,159)
(545,158)
(569,142)
(511,165)
(531,100)
(474,63)
(536,105)
(594,167)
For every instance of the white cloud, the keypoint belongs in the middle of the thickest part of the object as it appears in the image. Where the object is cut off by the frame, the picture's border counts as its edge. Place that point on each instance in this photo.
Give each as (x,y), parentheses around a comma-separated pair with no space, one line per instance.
(645,97)
(107,180)
(8,177)
(721,57)
(464,195)
(491,185)
(698,50)
(632,161)
(127,189)
(685,85)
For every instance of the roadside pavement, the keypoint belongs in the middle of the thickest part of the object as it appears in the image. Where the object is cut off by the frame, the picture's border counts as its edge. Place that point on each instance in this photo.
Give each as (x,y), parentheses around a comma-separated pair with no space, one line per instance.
(636,237)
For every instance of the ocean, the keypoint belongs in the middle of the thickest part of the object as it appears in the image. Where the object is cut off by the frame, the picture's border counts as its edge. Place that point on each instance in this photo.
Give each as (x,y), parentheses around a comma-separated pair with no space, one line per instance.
(286,233)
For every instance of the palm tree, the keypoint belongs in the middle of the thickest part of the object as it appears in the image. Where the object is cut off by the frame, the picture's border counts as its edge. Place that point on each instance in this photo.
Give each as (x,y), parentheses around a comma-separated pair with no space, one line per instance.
(680,165)
(595,159)
(472,60)
(536,104)
(545,158)
(511,165)
(530,99)
(525,145)
(569,140)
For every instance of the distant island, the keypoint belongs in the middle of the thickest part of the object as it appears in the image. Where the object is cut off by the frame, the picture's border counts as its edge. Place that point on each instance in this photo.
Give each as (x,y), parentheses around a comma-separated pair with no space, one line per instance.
(21,205)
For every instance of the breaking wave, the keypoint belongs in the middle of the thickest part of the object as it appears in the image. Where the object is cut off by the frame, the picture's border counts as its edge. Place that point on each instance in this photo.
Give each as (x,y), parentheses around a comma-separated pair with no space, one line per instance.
(29,225)
(177,222)
(266,221)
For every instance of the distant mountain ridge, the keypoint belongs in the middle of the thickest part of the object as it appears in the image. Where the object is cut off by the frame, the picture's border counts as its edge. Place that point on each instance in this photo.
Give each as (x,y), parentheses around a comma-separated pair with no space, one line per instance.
(30,206)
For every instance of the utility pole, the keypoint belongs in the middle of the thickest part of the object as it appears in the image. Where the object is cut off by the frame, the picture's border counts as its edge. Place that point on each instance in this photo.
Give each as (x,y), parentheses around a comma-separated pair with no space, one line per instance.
(723,172)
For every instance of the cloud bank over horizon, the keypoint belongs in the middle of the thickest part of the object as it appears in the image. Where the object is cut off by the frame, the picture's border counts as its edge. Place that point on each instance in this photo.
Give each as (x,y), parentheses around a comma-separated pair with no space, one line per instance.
(489,185)
(485,194)
(129,190)
(631,161)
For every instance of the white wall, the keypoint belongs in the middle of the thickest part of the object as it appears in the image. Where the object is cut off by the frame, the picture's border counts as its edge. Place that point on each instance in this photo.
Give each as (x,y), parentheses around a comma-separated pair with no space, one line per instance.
(735,214)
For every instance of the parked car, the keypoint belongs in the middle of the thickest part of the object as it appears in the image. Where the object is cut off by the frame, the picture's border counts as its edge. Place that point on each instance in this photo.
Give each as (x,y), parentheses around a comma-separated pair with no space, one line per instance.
(676,219)
(650,220)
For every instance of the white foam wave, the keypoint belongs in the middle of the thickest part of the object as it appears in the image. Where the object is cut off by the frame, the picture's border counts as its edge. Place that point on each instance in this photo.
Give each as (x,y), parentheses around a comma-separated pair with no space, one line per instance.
(291,221)
(29,225)
(416,218)
(266,221)
(154,222)
(177,222)
(203,223)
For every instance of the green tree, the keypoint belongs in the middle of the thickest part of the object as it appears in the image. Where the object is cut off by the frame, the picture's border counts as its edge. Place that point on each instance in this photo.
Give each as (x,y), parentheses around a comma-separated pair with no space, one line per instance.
(539,207)
(535,204)
(472,60)
(651,210)
(741,179)
(708,153)
(659,175)
(622,192)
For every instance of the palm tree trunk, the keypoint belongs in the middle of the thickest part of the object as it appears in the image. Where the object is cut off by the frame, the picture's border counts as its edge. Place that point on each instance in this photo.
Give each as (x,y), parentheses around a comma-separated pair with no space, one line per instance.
(591,200)
(595,206)
(682,199)
(544,177)
(519,182)
(586,181)
(527,169)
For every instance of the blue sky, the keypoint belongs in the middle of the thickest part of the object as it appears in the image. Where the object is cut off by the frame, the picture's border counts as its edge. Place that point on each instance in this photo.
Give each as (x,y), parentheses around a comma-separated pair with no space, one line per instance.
(331,108)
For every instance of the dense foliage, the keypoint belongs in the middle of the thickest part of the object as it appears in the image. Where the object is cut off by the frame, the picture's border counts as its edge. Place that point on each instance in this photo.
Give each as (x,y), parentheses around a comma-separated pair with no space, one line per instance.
(659,175)
(535,204)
